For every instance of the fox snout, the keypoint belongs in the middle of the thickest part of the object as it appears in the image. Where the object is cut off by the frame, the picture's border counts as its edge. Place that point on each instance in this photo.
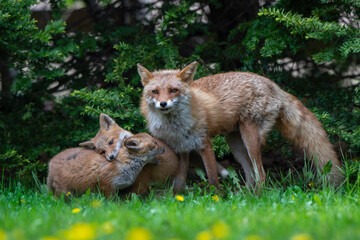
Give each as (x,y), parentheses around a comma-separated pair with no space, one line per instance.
(110,157)
(163,104)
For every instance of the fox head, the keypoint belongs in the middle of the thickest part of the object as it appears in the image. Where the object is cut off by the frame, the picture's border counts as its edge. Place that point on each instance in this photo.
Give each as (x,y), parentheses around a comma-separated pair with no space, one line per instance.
(165,89)
(145,146)
(108,139)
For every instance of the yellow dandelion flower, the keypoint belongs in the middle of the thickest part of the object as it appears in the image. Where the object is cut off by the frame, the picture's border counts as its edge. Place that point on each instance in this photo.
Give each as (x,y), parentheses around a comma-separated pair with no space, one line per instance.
(18,234)
(253,237)
(139,233)
(76,210)
(68,194)
(179,198)
(215,198)
(22,200)
(205,235)
(317,200)
(95,203)
(311,184)
(303,236)
(220,230)
(50,238)
(107,227)
(3,235)
(233,208)
(293,197)
(80,231)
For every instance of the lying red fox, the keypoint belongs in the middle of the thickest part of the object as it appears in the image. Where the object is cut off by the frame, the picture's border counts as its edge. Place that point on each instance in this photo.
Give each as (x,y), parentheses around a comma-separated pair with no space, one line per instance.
(108,141)
(76,170)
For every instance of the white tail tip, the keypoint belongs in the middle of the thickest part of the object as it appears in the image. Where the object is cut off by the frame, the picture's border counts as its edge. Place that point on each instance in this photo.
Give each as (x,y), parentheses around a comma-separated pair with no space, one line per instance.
(224,173)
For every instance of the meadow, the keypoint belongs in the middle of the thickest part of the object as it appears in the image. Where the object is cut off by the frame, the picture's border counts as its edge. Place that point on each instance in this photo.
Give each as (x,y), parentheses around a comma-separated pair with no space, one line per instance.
(287,209)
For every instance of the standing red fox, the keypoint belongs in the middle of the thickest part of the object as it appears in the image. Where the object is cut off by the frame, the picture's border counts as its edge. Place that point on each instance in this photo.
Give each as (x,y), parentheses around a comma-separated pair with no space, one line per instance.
(242,106)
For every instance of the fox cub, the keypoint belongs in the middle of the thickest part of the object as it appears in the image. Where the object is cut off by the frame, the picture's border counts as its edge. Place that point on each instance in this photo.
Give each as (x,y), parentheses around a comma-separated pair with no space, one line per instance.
(242,106)
(108,139)
(111,134)
(76,170)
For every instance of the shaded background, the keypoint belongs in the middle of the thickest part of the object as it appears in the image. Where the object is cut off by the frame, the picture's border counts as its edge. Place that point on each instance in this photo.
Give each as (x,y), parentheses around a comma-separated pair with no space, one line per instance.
(62,63)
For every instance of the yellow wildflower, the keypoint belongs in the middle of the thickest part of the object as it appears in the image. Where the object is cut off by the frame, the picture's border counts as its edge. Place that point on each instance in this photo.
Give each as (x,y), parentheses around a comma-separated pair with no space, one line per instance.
(179,198)
(50,238)
(317,200)
(293,197)
(205,235)
(3,235)
(303,236)
(139,233)
(95,203)
(215,198)
(233,208)
(68,194)
(253,237)
(220,230)
(107,227)
(80,231)
(18,234)
(311,184)
(76,210)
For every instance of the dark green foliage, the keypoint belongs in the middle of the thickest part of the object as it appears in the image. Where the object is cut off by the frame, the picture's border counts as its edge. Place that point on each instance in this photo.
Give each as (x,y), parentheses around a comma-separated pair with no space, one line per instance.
(309,48)
(122,105)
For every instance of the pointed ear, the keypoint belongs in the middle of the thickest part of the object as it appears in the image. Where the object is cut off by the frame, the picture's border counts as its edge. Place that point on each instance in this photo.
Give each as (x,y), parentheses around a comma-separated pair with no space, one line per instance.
(132,144)
(187,74)
(145,74)
(88,144)
(106,122)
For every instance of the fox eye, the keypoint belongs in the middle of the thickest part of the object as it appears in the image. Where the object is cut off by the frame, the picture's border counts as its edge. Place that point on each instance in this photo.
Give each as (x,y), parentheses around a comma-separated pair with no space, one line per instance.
(111,142)
(155,92)
(103,152)
(174,90)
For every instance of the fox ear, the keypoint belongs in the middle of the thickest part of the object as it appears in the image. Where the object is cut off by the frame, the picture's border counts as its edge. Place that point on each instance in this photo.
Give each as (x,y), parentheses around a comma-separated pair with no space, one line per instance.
(187,74)
(145,75)
(106,122)
(132,144)
(123,135)
(87,144)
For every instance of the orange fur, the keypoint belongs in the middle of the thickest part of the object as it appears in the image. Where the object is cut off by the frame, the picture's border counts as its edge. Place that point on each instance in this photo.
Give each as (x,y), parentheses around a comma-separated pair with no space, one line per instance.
(240,105)
(155,174)
(76,170)
(151,174)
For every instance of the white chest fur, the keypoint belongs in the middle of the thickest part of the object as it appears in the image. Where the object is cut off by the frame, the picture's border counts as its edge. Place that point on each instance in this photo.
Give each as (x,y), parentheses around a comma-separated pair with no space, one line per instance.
(176,128)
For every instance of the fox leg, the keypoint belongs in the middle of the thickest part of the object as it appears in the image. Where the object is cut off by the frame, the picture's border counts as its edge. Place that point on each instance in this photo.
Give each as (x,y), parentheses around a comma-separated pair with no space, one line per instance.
(251,138)
(181,175)
(209,160)
(240,154)
(139,188)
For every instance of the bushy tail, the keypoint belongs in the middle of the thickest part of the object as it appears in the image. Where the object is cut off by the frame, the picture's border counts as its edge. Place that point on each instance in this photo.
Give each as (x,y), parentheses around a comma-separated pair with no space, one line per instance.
(301,127)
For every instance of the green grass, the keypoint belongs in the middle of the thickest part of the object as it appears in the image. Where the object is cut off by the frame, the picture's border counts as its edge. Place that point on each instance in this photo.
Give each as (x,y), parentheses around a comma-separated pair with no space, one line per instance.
(286,210)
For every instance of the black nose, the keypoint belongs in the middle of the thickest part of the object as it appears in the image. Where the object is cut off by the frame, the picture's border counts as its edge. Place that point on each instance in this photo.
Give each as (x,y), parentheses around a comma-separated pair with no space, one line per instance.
(163,104)
(112,156)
